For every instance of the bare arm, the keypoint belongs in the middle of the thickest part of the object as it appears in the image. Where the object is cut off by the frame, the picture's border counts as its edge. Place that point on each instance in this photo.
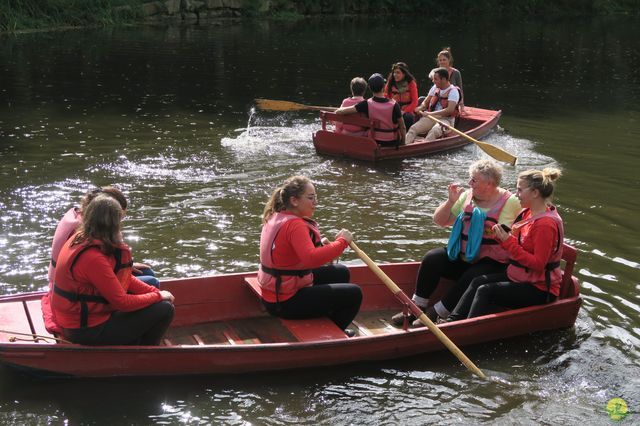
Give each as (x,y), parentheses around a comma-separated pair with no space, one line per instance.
(443,216)
(346,110)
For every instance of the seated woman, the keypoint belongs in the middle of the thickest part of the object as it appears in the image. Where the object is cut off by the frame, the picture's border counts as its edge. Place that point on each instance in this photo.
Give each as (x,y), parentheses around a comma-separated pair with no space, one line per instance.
(471,250)
(65,229)
(534,244)
(294,282)
(96,300)
(445,60)
(402,87)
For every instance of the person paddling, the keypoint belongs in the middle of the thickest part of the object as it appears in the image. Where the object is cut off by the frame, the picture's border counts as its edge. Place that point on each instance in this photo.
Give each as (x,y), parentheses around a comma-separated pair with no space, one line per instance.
(295,278)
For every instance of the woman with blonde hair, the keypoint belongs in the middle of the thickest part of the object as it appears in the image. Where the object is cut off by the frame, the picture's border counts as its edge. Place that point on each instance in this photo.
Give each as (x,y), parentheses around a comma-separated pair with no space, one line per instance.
(534,244)
(295,279)
(471,250)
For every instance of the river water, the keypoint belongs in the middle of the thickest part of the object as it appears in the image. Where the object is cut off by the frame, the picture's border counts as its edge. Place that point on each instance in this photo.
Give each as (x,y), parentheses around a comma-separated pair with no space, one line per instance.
(167,114)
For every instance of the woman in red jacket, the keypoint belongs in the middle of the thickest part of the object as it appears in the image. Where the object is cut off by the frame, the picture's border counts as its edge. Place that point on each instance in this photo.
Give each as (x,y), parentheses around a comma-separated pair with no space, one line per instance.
(295,280)
(534,244)
(96,300)
(402,88)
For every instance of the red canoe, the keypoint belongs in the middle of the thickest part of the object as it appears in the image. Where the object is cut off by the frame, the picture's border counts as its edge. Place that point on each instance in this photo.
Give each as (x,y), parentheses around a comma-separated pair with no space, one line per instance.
(220,327)
(476,122)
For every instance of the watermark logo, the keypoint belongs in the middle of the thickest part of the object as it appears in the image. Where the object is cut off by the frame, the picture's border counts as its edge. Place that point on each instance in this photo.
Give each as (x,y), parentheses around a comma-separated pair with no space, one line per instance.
(617,408)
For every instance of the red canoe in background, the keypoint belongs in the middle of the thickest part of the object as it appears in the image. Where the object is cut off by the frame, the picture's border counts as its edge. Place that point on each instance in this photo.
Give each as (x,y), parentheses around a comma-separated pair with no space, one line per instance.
(476,122)
(220,327)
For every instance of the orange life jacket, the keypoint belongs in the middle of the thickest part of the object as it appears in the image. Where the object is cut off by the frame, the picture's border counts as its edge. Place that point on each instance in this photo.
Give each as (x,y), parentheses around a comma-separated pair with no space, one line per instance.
(489,247)
(443,99)
(284,283)
(548,279)
(71,297)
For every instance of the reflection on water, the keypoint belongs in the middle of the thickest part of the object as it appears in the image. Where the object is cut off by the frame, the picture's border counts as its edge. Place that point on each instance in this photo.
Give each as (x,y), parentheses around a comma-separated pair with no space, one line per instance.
(167,114)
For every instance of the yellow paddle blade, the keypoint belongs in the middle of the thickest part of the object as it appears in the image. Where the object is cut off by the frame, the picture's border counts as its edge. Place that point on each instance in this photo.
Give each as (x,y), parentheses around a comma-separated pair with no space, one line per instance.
(274,105)
(497,153)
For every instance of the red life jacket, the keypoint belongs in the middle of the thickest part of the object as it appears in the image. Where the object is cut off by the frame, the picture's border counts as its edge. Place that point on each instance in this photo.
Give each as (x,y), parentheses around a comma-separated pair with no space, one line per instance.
(548,279)
(383,112)
(72,301)
(443,100)
(351,129)
(283,283)
(403,98)
(489,247)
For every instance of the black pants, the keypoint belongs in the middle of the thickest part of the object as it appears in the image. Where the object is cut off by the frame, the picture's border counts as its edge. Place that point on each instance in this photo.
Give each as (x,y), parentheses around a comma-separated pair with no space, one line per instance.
(436,265)
(325,298)
(486,291)
(142,327)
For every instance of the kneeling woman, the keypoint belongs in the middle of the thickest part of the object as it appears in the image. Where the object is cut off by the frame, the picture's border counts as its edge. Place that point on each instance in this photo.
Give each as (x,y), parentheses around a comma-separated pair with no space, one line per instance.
(294,282)
(534,245)
(96,300)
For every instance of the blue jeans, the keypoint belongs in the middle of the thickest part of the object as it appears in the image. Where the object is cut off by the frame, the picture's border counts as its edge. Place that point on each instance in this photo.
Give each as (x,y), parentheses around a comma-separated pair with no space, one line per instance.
(147,276)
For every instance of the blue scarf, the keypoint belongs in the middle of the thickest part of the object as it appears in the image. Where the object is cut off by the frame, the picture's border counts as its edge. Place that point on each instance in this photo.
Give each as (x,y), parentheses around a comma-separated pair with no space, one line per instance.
(476,231)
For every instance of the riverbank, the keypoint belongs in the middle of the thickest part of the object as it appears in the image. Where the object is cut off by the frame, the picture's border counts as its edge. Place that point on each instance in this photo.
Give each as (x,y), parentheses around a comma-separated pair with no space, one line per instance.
(39,14)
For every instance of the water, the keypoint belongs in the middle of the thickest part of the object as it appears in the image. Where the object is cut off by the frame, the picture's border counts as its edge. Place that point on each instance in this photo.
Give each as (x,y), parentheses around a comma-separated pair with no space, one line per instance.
(168,115)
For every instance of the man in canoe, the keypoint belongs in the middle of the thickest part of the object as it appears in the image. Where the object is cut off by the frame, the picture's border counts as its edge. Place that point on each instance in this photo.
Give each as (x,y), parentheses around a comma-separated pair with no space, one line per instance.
(392,130)
(441,103)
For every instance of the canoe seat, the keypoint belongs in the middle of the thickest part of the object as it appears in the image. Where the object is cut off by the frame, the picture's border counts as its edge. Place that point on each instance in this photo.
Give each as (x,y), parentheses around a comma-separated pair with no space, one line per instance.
(254,285)
(304,330)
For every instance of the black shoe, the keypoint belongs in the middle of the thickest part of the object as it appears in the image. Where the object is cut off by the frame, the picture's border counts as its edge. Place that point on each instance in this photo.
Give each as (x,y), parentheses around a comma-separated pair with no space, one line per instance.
(350,332)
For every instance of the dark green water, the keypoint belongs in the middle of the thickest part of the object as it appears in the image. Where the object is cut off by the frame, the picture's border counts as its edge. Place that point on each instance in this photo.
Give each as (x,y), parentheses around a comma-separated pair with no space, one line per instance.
(166,114)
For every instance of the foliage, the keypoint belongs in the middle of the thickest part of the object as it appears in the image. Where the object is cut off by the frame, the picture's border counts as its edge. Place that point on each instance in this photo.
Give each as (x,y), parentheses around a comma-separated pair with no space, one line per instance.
(34,14)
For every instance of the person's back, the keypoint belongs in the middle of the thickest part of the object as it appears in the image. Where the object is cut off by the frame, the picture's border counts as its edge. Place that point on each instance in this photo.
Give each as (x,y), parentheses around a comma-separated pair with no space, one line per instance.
(391,129)
(358,88)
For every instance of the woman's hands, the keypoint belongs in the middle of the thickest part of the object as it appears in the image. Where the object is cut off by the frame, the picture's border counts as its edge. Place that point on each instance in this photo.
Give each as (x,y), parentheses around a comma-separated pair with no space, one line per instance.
(455,190)
(166,295)
(344,233)
(499,232)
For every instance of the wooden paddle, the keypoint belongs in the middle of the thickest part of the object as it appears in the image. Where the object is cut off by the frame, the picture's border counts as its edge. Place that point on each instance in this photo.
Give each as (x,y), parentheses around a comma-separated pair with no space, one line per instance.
(417,311)
(273,105)
(492,150)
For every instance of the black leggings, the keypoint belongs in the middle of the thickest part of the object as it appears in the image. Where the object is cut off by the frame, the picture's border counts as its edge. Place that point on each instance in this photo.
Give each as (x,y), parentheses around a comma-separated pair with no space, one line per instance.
(436,264)
(142,327)
(325,298)
(486,291)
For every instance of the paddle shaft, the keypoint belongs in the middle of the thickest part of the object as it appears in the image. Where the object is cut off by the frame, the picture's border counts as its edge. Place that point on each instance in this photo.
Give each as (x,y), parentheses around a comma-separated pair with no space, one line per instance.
(492,150)
(414,308)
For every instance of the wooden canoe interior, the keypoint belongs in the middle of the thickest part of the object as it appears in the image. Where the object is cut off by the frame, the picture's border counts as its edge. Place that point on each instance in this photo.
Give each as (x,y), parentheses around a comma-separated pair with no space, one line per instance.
(226,309)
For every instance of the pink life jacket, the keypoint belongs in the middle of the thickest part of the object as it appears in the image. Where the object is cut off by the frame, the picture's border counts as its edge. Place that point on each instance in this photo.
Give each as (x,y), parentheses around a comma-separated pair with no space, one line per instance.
(383,112)
(350,129)
(548,279)
(489,247)
(65,229)
(284,283)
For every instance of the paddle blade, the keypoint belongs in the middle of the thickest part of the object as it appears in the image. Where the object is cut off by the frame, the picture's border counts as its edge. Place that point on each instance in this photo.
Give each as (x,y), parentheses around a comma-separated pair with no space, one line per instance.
(497,153)
(273,105)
